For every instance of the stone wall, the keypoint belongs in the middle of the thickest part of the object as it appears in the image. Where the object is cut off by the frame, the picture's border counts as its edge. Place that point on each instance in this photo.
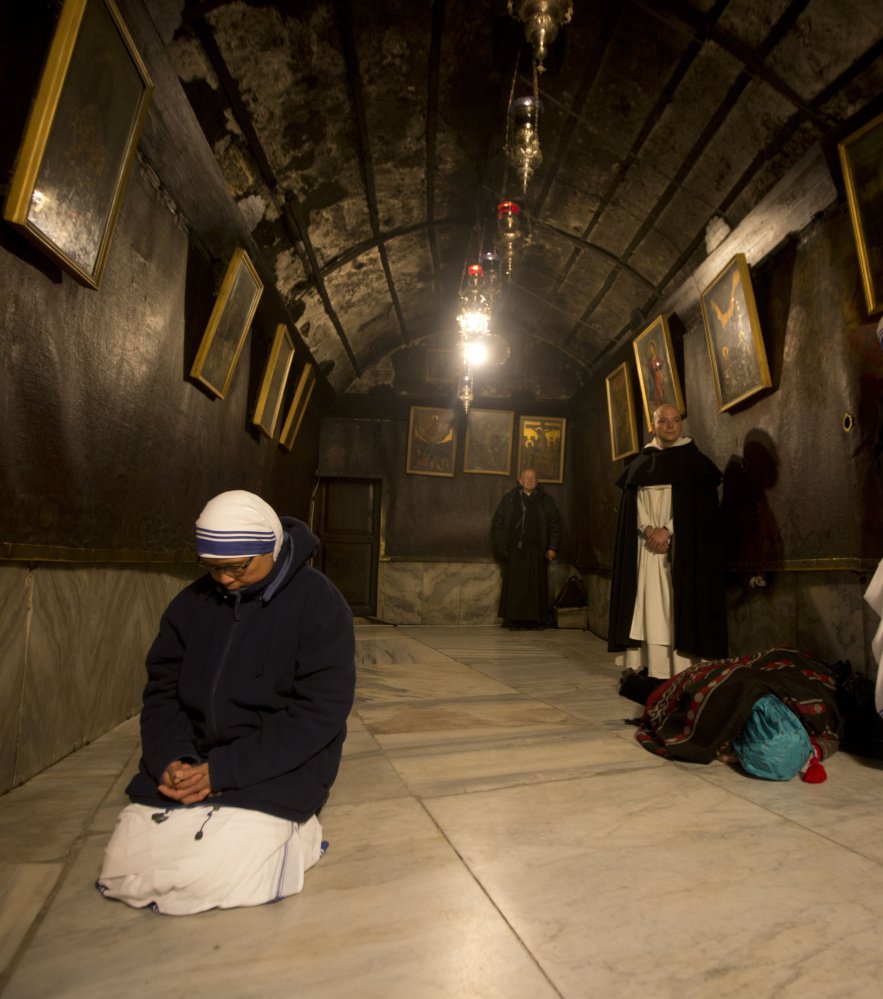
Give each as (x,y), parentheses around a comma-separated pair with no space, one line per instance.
(465,593)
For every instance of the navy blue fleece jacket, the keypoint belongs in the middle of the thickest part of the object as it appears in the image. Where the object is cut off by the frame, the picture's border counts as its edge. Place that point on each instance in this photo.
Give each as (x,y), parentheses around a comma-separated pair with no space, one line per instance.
(257,682)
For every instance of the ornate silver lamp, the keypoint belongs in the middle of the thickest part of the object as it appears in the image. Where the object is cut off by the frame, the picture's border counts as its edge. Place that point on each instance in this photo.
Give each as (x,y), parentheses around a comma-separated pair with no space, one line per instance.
(542,19)
(525,154)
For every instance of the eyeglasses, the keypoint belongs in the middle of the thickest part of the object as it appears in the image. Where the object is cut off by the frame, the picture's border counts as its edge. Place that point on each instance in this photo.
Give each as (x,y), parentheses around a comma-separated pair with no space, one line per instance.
(232,569)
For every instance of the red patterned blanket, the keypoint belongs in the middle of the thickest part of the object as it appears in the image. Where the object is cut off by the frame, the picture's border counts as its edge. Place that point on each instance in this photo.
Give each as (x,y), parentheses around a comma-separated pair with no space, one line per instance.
(693,715)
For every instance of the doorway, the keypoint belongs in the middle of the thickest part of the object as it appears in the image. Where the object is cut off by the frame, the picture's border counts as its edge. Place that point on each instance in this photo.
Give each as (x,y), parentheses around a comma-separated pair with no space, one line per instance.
(348,525)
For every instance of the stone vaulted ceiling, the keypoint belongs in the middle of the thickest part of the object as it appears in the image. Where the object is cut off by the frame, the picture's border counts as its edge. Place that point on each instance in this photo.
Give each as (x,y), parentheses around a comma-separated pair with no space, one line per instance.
(363,143)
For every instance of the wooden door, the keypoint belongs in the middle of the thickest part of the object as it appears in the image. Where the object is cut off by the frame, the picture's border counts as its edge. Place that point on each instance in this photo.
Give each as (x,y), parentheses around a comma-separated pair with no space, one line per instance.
(348,526)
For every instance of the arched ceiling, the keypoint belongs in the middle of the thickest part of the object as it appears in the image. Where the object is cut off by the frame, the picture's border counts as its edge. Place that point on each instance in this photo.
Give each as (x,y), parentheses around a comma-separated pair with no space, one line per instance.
(363,143)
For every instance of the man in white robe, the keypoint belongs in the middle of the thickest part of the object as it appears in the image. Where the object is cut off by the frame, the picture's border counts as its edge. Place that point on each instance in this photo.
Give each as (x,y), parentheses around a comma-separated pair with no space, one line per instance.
(665,613)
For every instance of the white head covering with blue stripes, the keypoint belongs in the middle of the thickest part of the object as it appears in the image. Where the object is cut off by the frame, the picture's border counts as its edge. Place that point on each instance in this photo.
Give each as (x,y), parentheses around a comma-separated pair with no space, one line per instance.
(237,523)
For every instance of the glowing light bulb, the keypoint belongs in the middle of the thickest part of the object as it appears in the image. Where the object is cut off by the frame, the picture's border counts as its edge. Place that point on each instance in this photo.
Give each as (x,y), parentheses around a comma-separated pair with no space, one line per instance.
(475,352)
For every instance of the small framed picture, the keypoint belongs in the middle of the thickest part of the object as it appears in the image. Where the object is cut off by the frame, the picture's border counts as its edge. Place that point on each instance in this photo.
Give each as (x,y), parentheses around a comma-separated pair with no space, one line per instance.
(621,413)
(541,446)
(432,441)
(488,442)
(228,325)
(273,383)
(732,329)
(861,157)
(80,139)
(657,371)
(299,402)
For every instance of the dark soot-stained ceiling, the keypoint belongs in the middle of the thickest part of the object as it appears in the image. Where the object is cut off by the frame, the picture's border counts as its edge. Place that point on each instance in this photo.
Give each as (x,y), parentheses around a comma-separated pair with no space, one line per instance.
(363,143)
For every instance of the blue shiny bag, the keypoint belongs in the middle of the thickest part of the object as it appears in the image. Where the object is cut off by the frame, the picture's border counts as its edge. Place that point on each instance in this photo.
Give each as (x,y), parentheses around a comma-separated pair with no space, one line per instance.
(773,744)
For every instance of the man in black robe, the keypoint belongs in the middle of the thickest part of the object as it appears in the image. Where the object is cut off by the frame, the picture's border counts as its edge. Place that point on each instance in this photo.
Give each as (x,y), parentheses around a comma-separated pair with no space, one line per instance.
(526,533)
(668,573)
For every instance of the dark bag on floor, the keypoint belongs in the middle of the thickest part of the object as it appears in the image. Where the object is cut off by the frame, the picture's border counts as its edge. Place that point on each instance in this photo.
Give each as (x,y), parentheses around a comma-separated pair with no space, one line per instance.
(862,726)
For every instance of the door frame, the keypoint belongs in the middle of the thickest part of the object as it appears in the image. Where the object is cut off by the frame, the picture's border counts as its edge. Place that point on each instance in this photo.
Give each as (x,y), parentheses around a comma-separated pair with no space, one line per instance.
(317,517)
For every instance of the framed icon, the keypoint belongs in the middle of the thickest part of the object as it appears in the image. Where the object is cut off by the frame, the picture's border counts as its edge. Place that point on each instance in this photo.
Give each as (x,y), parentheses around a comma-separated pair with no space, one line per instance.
(861,157)
(732,330)
(298,408)
(488,449)
(657,371)
(80,140)
(272,388)
(621,413)
(228,325)
(432,441)
(541,446)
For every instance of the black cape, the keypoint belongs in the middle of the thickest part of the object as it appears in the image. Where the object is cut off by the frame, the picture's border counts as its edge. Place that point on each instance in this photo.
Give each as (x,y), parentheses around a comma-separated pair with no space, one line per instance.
(700,625)
(524,595)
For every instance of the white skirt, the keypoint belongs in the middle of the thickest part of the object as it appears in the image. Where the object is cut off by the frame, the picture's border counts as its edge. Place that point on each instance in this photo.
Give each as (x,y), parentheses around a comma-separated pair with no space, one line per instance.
(184,860)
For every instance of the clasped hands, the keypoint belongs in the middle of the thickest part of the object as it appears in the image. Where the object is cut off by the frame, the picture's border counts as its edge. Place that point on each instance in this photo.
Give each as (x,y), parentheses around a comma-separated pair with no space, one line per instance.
(186,783)
(657,539)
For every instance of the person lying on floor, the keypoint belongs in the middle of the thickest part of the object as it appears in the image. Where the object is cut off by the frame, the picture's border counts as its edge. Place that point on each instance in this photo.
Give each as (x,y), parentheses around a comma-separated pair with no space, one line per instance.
(731,709)
(250,682)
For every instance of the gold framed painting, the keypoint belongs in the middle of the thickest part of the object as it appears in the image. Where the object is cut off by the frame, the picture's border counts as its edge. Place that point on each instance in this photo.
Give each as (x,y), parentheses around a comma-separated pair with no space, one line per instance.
(272,387)
(296,411)
(228,325)
(488,449)
(432,441)
(621,413)
(732,331)
(541,446)
(80,139)
(657,371)
(861,157)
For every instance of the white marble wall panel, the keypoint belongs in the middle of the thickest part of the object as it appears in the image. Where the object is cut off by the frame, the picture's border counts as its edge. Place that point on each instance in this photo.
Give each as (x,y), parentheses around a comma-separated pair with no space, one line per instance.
(829,617)
(400,592)
(109,656)
(820,613)
(765,617)
(598,593)
(79,664)
(15,582)
(438,592)
(441,593)
(52,705)
(479,593)
(156,588)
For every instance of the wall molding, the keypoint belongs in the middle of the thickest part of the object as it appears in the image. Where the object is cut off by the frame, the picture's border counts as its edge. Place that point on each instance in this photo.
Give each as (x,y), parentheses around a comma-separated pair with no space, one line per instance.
(11,552)
(839,564)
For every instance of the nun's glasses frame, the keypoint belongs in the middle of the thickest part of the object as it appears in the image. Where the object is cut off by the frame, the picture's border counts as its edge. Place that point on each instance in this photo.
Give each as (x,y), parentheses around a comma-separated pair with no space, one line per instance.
(232,569)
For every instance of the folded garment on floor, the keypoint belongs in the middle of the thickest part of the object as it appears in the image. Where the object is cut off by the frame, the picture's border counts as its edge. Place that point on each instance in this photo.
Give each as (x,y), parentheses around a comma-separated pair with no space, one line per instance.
(692,715)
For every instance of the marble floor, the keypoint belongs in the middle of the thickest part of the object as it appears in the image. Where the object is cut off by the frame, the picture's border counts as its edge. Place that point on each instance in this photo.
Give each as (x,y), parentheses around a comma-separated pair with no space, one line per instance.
(495,832)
